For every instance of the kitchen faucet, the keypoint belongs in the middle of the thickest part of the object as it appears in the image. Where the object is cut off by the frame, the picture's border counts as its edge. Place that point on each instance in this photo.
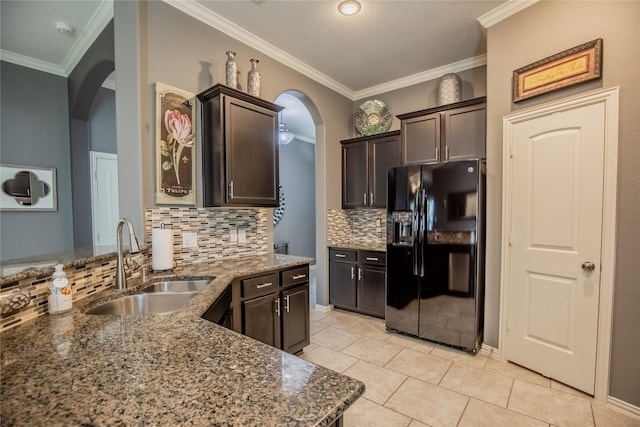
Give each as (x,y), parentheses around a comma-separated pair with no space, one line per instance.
(121,276)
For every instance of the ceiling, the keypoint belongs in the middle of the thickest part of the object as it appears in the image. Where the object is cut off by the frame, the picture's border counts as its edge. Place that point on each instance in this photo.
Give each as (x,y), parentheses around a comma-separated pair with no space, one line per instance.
(388,45)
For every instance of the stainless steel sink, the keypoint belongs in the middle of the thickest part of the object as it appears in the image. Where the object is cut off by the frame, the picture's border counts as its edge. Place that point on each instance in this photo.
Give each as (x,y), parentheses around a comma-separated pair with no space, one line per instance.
(178,286)
(143,304)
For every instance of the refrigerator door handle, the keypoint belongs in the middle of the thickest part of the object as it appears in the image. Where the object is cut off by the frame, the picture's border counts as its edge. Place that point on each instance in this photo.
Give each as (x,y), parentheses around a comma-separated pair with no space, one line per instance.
(415,235)
(421,227)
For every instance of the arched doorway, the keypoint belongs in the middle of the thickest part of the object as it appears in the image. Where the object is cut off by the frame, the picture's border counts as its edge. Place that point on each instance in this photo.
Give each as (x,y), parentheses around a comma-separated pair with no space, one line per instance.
(298,223)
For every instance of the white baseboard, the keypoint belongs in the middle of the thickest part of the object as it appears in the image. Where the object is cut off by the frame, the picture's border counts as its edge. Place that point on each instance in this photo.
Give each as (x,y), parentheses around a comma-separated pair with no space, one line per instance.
(489,351)
(324,308)
(623,407)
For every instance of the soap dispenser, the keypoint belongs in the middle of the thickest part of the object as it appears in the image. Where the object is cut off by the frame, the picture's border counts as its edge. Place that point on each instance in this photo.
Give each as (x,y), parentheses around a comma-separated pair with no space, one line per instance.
(60,299)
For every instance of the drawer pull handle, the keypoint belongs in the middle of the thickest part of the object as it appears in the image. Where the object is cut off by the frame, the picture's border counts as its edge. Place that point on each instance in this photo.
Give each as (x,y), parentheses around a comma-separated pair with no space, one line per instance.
(341,256)
(264,285)
(298,276)
(372,259)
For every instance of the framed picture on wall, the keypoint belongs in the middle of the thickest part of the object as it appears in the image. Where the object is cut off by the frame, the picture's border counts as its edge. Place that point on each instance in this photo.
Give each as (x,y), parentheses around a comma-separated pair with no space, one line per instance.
(175,145)
(27,188)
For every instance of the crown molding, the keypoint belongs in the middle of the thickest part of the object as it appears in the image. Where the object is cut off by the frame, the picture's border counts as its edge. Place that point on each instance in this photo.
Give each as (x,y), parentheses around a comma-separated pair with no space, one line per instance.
(504,11)
(434,73)
(29,62)
(202,14)
(86,37)
(89,34)
(206,16)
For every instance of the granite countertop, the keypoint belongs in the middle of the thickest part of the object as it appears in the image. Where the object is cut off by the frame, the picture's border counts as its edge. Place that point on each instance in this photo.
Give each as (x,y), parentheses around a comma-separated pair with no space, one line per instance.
(360,246)
(165,369)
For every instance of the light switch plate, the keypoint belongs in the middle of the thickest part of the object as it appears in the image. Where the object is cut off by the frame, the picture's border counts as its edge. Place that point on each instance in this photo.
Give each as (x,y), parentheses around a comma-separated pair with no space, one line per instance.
(189,239)
(242,235)
(233,235)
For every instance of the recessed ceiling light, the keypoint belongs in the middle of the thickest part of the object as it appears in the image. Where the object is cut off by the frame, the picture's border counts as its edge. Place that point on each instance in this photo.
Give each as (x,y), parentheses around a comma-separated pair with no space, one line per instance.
(349,7)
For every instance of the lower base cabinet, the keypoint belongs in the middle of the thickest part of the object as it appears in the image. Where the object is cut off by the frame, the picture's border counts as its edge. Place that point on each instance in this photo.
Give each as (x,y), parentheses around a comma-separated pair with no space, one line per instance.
(357,280)
(274,308)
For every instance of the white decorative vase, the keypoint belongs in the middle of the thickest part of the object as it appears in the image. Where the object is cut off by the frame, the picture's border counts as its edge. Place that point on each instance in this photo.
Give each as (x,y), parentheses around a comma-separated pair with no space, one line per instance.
(253,79)
(231,70)
(449,89)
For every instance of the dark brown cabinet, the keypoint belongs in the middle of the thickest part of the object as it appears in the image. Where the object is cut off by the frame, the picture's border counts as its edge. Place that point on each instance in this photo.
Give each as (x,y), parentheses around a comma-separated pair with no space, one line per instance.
(275,308)
(450,132)
(357,280)
(365,161)
(239,149)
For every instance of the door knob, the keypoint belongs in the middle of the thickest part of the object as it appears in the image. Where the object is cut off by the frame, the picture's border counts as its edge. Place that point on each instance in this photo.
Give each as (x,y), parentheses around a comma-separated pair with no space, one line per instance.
(588,266)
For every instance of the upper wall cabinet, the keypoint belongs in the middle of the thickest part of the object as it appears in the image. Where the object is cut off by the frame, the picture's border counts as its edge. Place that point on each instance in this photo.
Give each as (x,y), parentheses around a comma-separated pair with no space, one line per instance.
(449,132)
(239,149)
(365,161)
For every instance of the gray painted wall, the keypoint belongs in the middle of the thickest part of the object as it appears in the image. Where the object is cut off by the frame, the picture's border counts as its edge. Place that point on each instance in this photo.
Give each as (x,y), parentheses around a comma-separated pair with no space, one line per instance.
(35,131)
(102,122)
(539,31)
(297,177)
(84,84)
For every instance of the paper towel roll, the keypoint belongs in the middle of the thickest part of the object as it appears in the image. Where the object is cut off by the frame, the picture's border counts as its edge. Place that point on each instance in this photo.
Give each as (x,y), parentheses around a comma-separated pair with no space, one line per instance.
(162,249)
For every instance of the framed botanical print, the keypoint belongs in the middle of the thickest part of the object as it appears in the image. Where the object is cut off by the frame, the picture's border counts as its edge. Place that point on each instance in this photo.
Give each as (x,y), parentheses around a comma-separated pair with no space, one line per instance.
(175,145)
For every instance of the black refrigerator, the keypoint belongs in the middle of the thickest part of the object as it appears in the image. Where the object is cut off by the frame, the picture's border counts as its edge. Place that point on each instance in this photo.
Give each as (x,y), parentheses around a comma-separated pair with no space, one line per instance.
(435,252)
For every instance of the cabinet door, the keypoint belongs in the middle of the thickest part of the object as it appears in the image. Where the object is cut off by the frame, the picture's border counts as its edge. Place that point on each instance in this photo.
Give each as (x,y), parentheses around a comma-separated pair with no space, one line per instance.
(354,175)
(251,154)
(421,139)
(261,319)
(295,318)
(342,284)
(371,290)
(383,154)
(465,133)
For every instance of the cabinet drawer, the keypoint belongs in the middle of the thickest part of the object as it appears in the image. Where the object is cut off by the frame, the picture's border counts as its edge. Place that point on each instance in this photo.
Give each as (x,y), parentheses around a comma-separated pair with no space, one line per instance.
(295,276)
(372,258)
(342,255)
(261,285)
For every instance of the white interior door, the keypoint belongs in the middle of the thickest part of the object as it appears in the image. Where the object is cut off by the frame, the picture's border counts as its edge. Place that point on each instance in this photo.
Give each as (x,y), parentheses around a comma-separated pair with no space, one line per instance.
(555,235)
(104,198)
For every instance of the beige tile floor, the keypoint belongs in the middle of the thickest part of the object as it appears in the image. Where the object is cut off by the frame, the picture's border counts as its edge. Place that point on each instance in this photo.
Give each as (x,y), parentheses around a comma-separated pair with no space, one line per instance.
(415,383)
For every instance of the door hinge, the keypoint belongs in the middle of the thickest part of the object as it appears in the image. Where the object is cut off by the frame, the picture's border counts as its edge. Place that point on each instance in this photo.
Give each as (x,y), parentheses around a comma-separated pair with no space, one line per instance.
(509,239)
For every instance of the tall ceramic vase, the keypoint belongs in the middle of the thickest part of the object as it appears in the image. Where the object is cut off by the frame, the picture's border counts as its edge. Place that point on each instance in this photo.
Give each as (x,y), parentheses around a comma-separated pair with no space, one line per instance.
(449,89)
(231,70)
(253,79)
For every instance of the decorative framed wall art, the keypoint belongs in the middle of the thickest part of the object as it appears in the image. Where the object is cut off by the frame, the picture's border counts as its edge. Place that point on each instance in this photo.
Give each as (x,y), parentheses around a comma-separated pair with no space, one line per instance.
(175,145)
(27,188)
(570,67)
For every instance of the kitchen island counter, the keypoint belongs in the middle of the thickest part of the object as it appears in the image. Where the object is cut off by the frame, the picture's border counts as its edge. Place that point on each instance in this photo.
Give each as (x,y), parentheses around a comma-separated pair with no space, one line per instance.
(166,369)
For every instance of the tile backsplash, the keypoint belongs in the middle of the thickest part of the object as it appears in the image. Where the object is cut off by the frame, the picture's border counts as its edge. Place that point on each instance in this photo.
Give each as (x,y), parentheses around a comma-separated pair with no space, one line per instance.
(212,227)
(356,226)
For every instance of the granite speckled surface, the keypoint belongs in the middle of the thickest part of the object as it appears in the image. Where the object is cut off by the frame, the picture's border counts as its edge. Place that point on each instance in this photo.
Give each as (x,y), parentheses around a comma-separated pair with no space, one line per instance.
(166,369)
(42,265)
(360,246)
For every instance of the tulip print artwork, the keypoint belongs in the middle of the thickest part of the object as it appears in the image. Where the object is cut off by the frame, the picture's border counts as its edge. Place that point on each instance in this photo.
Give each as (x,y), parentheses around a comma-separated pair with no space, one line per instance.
(175,145)
(178,127)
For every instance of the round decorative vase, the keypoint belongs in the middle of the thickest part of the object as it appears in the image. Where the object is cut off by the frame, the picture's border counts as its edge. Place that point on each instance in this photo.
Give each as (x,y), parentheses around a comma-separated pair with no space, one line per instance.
(449,89)
(253,79)
(231,70)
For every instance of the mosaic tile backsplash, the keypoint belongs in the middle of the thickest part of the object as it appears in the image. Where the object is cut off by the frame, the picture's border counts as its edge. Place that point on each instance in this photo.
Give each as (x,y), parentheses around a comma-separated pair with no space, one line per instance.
(356,226)
(212,227)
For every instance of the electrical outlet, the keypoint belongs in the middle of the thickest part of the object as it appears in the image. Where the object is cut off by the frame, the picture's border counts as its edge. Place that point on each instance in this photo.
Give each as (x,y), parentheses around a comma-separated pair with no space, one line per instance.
(242,235)
(189,240)
(378,224)
(233,235)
